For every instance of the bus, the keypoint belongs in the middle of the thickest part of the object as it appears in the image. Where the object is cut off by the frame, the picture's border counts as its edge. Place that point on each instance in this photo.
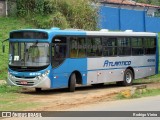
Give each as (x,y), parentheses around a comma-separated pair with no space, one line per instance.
(55,58)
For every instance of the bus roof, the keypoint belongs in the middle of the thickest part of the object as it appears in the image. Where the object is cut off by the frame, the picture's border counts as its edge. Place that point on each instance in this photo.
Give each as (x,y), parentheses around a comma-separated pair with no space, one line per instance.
(99,33)
(57,31)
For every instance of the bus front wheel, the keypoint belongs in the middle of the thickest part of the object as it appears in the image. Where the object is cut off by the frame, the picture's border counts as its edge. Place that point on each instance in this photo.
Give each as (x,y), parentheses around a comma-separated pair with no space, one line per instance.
(72,82)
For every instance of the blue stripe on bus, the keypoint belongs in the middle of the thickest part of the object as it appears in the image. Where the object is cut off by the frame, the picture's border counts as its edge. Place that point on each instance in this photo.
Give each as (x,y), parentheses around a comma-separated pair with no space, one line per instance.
(122,68)
(65,70)
(65,33)
(157,55)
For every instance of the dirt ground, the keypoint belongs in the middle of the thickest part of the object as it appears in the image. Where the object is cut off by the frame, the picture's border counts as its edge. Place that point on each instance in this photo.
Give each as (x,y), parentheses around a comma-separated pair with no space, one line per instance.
(61,100)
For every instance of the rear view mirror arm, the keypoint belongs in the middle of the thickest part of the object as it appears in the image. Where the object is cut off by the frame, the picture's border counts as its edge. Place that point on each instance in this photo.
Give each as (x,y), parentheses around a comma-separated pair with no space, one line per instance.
(3,46)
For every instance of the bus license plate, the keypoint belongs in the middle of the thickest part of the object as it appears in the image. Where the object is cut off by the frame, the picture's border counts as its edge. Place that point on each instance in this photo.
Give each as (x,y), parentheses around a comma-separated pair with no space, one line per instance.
(23,82)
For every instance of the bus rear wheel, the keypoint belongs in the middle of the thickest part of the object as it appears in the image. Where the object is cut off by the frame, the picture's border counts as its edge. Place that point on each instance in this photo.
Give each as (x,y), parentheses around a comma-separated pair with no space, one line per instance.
(72,82)
(127,79)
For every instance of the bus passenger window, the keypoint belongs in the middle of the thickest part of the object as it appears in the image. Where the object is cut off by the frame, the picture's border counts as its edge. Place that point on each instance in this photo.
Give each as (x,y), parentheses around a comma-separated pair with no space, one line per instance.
(150,45)
(77,47)
(94,47)
(124,46)
(109,46)
(73,47)
(81,48)
(137,46)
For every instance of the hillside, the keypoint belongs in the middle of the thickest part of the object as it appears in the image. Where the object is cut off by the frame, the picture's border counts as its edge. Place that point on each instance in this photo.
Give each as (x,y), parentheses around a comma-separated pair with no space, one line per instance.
(7,25)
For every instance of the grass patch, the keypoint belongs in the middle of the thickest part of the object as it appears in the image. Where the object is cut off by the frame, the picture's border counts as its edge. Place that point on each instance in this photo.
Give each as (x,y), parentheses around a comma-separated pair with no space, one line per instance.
(151,79)
(16,106)
(4,88)
(139,93)
(11,99)
(8,94)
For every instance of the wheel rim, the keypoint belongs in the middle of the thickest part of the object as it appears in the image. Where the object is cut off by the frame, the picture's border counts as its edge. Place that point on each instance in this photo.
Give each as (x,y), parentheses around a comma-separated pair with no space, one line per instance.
(128,77)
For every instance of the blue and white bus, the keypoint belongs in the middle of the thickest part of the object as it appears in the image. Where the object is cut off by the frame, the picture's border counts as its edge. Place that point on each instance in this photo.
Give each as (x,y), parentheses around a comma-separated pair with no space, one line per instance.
(54,58)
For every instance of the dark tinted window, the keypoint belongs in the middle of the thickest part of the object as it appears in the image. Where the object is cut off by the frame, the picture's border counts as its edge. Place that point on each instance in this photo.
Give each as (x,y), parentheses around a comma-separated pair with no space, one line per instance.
(150,45)
(137,46)
(59,50)
(109,46)
(124,46)
(28,35)
(77,47)
(94,46)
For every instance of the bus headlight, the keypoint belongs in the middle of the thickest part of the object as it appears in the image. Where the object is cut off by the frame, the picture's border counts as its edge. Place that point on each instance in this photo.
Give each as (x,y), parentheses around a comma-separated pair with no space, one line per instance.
(10,75)
(38,77)
(43,75)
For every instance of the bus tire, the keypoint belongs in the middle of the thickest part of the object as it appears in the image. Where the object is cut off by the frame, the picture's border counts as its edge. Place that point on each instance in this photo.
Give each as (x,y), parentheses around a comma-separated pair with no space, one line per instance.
(38,89)
(72,82)
(128,78)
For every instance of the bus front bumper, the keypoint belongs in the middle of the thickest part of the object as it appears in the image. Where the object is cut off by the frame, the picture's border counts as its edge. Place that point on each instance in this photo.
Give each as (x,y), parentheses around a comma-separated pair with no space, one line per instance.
(29,82)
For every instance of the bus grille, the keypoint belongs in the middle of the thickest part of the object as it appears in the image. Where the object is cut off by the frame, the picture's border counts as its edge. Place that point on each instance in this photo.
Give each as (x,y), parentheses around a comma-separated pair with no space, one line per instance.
(24,77)
(28,69)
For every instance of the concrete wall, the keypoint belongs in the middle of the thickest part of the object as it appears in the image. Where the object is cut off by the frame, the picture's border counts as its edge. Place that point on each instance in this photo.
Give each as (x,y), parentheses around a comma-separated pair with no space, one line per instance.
(124,19)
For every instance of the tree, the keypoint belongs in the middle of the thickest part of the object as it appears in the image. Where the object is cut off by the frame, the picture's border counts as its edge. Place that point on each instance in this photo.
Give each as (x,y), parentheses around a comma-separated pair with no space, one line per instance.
(78,14)
(153,2)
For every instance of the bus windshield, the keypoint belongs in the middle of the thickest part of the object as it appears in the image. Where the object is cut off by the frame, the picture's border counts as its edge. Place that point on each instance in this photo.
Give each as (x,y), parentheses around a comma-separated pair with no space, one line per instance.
(29,54)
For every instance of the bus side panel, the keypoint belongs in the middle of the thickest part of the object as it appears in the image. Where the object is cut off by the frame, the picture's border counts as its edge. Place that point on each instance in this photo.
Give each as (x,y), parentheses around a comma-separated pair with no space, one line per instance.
(110,69)
(100,72)
(143,71)
(60,75)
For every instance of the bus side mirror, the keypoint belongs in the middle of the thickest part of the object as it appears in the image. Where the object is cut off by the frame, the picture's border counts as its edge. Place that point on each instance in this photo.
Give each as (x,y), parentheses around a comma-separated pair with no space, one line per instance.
(3,48)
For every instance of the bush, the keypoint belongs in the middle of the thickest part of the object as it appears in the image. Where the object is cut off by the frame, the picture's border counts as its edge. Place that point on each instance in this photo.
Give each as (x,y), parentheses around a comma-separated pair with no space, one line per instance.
(60,13)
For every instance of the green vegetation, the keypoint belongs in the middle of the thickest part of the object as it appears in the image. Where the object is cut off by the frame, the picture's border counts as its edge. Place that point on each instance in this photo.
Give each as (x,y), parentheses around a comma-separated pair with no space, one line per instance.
(154,2)
(11,99)
(8,24)
(8,89)
(139,94)
(16,106)
(78,14)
